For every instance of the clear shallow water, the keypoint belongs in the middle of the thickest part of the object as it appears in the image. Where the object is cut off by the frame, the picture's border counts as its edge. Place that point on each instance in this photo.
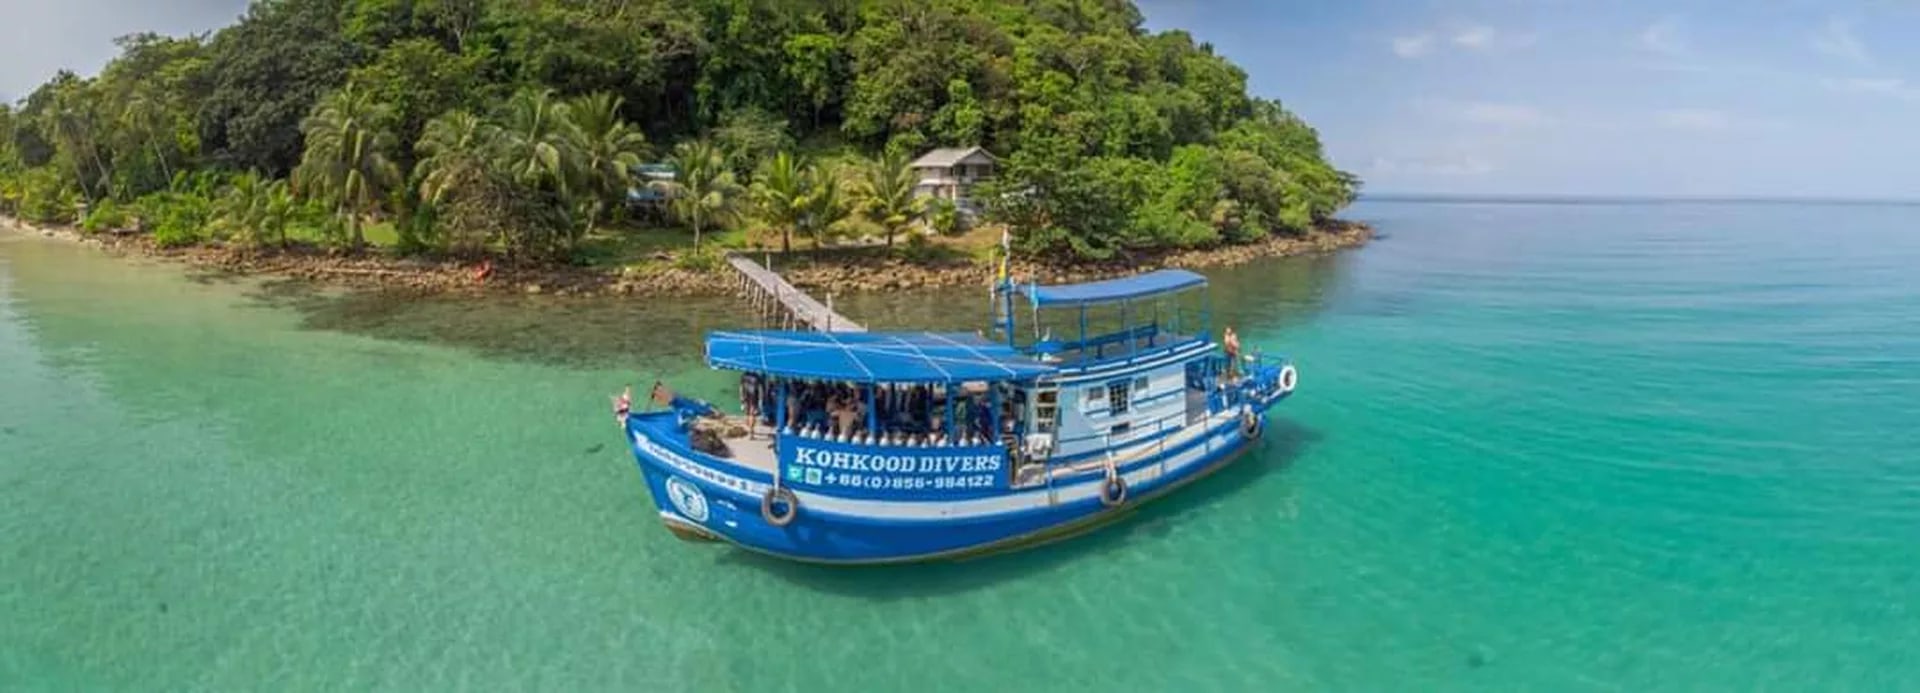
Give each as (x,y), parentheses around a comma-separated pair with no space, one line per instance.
(1537,447)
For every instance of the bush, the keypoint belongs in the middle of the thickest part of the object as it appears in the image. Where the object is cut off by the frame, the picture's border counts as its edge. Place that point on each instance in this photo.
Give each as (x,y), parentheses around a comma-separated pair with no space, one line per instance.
(702,259)
(177,219)
(9,193)
(943,216)
(45,199)
(108,215)
(919,250)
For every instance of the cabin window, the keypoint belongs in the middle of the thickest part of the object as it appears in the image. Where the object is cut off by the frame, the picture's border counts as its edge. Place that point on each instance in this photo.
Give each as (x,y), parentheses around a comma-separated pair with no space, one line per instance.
(1117,398)
(1140,384)
(1094,394)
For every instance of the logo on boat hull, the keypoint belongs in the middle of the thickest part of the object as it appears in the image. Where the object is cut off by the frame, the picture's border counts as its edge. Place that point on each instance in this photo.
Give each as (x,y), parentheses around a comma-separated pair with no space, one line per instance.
(687,499)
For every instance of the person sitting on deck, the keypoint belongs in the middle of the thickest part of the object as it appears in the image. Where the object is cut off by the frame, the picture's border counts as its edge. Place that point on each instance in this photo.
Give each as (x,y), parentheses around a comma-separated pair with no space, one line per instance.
(836,410)
(981,421)
(847,413)
(793,406)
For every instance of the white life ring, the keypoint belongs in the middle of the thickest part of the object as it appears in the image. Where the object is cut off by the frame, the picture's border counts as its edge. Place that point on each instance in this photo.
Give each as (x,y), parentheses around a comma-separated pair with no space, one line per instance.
(1288,377)
(777,497)
(1113,491)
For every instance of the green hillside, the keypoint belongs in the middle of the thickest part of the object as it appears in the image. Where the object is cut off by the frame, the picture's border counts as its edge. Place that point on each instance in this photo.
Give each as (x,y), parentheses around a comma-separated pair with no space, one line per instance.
(515,125)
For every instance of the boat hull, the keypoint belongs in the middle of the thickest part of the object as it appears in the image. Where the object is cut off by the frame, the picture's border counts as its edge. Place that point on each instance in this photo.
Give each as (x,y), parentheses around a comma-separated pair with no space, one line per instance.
(705,498)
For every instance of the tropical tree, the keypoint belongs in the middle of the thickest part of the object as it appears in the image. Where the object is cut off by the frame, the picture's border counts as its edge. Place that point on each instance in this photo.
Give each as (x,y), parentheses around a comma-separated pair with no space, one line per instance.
(826,204)
(69,118)
(703,190)
(143,116)
(886,195)
(534,149)
(781,195)
(453,151)
(254,209)
(606,148)
(346,162)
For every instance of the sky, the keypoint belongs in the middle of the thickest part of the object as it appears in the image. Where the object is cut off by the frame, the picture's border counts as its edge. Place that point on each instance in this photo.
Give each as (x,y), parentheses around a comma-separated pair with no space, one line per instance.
(40,37)
(1594,97)
(1788,98)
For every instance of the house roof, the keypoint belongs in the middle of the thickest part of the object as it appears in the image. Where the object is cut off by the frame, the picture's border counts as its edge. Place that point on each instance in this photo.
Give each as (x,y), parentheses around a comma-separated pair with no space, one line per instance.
(949,156)
(655,171)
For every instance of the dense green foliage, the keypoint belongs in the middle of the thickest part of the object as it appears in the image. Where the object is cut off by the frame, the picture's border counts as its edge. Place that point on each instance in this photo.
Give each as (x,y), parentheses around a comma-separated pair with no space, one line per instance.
(514,124)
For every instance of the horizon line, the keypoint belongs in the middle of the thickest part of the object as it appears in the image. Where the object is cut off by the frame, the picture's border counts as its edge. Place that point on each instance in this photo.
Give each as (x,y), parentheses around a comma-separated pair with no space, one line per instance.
(1605,198)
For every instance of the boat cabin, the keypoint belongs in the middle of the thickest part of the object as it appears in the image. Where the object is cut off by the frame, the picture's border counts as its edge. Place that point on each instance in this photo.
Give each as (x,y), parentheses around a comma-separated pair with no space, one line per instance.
(917,398)
(1135,357)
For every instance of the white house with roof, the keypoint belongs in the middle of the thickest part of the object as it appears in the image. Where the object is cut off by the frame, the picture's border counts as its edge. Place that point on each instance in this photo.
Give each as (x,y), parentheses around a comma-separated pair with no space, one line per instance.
(952,172)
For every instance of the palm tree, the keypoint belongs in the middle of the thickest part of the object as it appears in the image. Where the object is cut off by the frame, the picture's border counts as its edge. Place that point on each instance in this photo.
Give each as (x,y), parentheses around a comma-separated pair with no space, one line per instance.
(825,205)
(607,147)
(346,157)
(453,151)
(279,211)
(533,148)
(253,209)
(782,191)
(886,194)
(143,116)
(703,189)
(237,212)
(73,120)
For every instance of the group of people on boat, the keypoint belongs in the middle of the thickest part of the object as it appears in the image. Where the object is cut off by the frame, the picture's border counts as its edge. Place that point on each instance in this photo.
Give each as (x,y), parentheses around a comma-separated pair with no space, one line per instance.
(900,413)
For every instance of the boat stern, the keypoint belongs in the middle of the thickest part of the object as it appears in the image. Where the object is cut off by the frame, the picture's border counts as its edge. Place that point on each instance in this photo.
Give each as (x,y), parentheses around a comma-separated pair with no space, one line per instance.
(1269,379)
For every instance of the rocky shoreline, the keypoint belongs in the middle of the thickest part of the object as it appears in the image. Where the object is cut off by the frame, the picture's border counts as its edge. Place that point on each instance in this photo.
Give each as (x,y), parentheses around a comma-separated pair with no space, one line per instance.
(842,272)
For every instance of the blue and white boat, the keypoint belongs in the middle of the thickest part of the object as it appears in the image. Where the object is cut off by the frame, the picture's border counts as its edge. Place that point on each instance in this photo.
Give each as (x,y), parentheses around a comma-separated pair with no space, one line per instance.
(882,447)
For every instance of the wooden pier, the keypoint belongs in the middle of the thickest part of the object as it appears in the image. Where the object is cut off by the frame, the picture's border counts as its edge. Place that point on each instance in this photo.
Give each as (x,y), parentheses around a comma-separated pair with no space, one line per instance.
(785,306)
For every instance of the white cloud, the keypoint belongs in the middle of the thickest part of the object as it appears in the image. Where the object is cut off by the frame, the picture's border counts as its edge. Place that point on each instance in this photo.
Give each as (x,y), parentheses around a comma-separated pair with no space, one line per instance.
(1703,120)
(1413,46)
(1488,113)
(1665,37)
(1697,119)
(1450,166)
(1836,39)
(1511,115)
(1474,36)
(1463,36)
(1883,86)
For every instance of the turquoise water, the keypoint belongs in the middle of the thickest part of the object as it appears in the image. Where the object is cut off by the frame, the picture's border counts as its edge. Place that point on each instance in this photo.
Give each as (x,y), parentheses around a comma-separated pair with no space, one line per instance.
(1537,447)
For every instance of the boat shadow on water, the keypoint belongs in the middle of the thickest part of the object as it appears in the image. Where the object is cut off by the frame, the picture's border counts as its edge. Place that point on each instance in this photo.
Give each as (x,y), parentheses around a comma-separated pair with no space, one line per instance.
(1285,441)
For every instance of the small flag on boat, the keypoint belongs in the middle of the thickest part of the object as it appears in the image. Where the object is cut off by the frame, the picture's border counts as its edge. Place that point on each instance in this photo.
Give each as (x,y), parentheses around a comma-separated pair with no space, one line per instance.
(623,404)
(1006,253)
(661,395)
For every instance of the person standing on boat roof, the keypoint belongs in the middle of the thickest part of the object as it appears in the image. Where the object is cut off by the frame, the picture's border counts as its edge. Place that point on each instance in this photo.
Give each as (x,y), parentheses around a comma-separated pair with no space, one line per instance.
(1231,343)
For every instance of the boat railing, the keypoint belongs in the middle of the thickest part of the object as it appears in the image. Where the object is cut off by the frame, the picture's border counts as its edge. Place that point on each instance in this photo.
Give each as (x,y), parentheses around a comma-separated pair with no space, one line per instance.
(1259,376)
(903,441)
(1158,430)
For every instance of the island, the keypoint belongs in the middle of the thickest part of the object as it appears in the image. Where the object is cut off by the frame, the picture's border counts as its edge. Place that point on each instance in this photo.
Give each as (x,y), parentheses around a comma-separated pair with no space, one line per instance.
(627,147)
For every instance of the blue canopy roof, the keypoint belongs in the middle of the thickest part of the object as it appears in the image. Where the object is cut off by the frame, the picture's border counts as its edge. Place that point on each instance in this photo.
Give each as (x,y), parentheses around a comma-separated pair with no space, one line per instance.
(1122,289)
(890,357)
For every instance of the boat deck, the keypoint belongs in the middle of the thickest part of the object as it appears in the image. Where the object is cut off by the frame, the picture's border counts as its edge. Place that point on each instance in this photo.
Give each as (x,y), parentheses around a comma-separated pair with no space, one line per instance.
(754,450)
